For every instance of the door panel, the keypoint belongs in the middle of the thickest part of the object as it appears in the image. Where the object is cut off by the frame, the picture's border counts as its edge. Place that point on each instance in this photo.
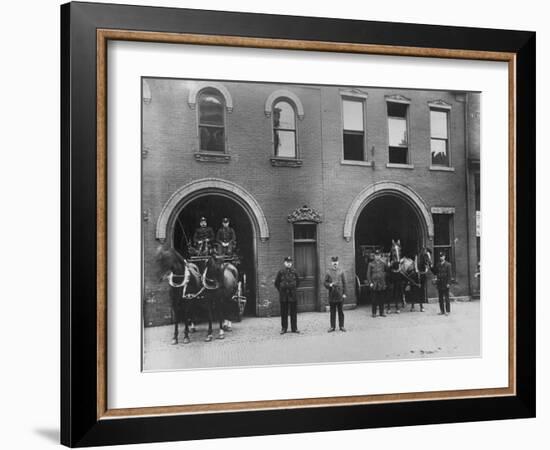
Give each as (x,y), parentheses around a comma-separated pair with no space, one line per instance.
(305,257)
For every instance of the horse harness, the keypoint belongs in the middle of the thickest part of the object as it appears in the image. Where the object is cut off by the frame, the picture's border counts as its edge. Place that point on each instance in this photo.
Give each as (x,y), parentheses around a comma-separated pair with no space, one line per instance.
(410,279)
(207,284)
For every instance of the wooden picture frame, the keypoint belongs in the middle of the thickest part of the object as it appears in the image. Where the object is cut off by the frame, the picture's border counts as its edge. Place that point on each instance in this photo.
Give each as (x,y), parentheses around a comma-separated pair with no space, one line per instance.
(85,416)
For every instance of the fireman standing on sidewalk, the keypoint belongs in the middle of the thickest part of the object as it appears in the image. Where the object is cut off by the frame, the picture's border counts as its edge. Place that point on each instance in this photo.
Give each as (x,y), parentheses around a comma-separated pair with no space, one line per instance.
(286,283)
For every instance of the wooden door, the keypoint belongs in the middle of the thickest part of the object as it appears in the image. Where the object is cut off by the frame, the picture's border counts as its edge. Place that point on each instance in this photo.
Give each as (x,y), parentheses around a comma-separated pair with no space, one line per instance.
(305,262)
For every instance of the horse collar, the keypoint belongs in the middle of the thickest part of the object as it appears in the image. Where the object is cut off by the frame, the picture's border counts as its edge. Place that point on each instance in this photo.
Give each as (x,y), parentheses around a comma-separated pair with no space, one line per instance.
(208,283)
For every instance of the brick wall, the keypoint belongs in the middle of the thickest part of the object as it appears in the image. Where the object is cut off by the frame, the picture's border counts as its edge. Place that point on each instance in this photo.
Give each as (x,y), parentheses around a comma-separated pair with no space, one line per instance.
(170,139)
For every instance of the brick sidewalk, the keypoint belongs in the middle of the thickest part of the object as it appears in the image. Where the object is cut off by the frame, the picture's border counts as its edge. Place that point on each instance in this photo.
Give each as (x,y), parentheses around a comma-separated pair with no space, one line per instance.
(256,341)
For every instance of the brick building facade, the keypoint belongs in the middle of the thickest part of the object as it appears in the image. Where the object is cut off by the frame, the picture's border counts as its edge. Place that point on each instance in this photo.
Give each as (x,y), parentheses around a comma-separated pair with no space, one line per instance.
(309,171)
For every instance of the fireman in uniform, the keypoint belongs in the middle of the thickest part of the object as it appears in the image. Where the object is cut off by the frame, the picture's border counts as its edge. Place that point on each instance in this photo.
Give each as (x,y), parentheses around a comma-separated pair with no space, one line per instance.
(203,237)
(226,237)
(376,278)
(287,282)
(335,282)
(443,272)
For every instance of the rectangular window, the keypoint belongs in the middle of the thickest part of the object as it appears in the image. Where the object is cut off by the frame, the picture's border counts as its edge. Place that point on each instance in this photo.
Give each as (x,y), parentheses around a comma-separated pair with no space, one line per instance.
(439,142)
(444,237)
(398,133)
(354,129)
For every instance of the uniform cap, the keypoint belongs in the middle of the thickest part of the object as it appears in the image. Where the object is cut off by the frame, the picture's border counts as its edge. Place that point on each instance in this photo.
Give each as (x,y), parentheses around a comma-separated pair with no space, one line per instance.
(334,258)
(377,251)
(203,219)
(225,220)
(288,259)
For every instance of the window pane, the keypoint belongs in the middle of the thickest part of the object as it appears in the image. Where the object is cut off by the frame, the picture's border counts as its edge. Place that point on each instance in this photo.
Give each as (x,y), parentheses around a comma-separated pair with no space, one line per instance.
(398,155)
(396,109)
(438,123)
(212,139)
(284,116)
(304,231)
(397,131)
(353,146)
(285,144)
(440,156)
(210,109)
(353,115)
(442,229)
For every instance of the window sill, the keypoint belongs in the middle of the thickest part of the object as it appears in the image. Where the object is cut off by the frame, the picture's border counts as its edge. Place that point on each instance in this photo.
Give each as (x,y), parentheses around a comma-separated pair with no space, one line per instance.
(442,169)
(286,162)
(350,162)
(216,157)
(399,166)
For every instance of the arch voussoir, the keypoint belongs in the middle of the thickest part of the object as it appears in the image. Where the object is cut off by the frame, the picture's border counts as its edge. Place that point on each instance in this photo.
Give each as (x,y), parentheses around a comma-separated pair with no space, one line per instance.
(211,184)
(381,188)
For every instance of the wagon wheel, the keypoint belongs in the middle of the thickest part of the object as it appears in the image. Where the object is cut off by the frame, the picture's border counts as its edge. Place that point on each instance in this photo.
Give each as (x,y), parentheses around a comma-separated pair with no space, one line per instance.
(359,287)
(240,297)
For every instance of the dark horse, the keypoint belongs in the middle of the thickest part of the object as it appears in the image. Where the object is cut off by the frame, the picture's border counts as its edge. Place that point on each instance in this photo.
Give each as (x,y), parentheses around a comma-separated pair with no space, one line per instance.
(423,263)
(220,280)
(185,283)
(191,291)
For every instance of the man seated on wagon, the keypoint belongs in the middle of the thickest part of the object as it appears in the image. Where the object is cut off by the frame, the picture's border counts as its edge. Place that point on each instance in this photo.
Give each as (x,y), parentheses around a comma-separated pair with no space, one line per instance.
(227,239)
(203,237)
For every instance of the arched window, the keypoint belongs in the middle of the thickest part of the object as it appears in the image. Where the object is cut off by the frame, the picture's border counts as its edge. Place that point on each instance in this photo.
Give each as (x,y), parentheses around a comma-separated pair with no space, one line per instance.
(211,121)
(284,129)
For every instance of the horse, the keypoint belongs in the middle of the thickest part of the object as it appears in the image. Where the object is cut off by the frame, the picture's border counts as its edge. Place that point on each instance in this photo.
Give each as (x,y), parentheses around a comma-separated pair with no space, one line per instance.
(395,251)
(423,264)
(413,271)
(172,267)
(220,280)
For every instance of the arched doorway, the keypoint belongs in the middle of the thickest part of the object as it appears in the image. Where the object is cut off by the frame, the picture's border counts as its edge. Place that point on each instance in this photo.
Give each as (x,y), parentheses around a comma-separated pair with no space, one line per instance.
(216,198)
(384,211)
(214,207)
(384,218)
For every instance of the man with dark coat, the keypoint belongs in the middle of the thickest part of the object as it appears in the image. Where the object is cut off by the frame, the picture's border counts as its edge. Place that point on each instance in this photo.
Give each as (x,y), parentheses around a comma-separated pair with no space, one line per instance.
(443,272)
(376,278)
(203,237)
(226,237)
(286,282)
(335,282)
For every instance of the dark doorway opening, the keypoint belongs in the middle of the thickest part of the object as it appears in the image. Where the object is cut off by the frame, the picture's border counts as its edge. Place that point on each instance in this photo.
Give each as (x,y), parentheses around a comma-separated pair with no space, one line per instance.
(385,218)
(215,207)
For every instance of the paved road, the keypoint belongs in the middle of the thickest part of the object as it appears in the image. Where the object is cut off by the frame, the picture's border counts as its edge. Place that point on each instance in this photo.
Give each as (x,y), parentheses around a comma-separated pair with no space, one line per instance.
(256,341)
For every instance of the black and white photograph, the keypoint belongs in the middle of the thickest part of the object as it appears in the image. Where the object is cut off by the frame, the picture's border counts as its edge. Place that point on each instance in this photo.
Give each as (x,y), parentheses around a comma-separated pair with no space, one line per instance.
(289,224)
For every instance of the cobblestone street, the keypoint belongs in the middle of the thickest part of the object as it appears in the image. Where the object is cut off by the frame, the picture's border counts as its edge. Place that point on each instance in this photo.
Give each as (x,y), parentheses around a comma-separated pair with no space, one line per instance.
(256,341)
